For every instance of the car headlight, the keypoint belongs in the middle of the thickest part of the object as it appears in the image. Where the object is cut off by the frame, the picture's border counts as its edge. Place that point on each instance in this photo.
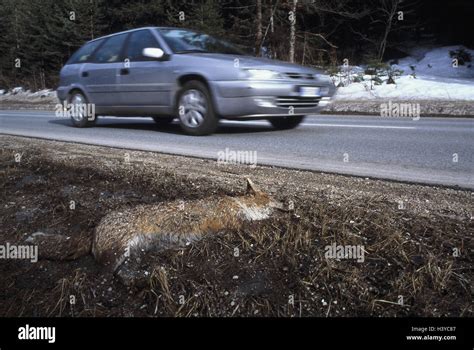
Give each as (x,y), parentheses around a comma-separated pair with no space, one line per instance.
(262,74)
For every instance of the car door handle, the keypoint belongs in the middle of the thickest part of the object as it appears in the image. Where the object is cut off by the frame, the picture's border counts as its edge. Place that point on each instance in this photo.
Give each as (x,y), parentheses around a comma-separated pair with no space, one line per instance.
(124,71)
(85,74)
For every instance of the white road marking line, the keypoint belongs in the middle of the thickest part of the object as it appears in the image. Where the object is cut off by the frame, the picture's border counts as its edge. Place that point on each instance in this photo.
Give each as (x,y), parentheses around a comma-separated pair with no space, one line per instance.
(26,115)
(320,124)
(362,126)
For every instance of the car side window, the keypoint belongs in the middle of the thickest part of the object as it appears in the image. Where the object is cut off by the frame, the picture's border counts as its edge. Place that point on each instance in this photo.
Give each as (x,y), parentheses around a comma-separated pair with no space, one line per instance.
(84,53)
(111,50)
(137,42)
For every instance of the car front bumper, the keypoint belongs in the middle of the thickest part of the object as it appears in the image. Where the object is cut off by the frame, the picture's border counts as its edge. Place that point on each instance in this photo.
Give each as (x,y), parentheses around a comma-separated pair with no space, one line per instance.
(246,99)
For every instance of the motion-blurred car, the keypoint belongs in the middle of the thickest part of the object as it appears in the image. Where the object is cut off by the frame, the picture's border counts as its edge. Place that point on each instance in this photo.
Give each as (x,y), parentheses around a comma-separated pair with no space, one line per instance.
(169,73)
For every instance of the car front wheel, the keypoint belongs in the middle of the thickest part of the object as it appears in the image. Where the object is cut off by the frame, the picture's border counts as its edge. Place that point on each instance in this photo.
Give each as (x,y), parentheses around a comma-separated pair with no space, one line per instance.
(195,109)
(287,122)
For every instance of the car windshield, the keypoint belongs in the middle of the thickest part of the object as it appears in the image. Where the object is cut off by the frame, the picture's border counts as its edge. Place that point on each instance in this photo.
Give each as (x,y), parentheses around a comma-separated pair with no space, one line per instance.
(187,41)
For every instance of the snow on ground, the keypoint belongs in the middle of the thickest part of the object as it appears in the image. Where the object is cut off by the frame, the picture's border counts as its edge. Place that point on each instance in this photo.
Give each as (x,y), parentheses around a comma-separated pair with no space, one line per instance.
(20,93)
(437,62)
(408,88)
(436,79)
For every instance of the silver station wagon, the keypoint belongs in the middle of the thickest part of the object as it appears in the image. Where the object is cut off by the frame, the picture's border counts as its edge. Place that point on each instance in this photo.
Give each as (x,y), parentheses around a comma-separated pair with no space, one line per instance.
(167,73)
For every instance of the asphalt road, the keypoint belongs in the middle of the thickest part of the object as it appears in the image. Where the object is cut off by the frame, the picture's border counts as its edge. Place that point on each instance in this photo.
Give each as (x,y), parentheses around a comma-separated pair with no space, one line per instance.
(401,149)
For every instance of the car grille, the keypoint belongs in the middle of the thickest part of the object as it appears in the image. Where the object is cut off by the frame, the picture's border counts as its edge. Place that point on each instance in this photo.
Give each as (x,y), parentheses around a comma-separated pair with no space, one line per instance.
(295,75)
(295,101)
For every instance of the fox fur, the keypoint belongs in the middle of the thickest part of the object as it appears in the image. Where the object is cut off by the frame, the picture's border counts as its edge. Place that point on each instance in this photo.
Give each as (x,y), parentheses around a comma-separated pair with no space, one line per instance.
(169,225)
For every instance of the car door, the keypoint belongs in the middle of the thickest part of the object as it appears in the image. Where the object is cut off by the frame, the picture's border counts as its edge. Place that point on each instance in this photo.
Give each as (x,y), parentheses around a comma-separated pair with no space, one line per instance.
(100,74)
(143,81)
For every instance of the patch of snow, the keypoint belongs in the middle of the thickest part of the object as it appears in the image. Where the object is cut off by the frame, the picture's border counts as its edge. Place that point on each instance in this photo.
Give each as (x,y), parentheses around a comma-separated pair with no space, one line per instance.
(408,88)
(436,79)
(17,90)
(43,93)
(437,62)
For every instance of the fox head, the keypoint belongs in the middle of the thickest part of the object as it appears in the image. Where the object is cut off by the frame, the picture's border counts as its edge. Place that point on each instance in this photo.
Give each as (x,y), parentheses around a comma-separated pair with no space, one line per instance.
(261,197)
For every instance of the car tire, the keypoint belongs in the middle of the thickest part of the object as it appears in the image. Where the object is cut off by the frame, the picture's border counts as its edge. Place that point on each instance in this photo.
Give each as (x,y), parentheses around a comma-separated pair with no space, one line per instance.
(287,122)
(163,120)
(195,109)
(80,120)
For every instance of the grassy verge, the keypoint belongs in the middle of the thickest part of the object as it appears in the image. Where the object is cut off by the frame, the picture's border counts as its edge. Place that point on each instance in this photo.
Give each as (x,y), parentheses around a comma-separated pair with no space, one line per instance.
(276,267)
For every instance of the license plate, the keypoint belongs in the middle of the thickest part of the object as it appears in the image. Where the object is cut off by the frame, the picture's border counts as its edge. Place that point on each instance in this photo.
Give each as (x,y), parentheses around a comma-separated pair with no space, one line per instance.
(309,91)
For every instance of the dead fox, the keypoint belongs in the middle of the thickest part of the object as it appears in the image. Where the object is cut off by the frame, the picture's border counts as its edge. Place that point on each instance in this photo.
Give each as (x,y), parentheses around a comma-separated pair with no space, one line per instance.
(174,224)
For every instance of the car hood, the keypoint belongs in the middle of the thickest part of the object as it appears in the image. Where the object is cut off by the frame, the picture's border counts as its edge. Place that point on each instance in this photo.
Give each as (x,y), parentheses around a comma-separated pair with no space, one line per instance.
(257,62)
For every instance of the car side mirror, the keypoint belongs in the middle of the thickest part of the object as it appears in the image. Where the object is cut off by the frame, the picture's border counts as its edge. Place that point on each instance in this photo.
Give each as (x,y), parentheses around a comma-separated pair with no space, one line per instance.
(153,52)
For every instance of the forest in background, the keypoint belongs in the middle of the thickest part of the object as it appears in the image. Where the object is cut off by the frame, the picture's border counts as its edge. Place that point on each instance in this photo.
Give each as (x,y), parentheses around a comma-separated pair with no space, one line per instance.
(38,36)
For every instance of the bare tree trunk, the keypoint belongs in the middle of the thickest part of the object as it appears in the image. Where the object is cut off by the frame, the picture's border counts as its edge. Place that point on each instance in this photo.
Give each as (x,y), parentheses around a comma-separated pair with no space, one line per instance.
(42,79)
(293,31)
(259,33)
(272,28)
(390,14)
(34,81)
(16,31)
(92,23)
(304,49)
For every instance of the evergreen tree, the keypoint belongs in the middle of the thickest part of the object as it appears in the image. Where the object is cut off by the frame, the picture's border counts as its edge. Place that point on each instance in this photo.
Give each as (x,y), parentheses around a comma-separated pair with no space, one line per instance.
(13,42)
(207,17)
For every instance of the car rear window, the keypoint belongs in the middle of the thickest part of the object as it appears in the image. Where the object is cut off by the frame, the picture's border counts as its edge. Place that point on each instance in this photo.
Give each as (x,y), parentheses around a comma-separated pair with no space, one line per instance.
(84,53)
